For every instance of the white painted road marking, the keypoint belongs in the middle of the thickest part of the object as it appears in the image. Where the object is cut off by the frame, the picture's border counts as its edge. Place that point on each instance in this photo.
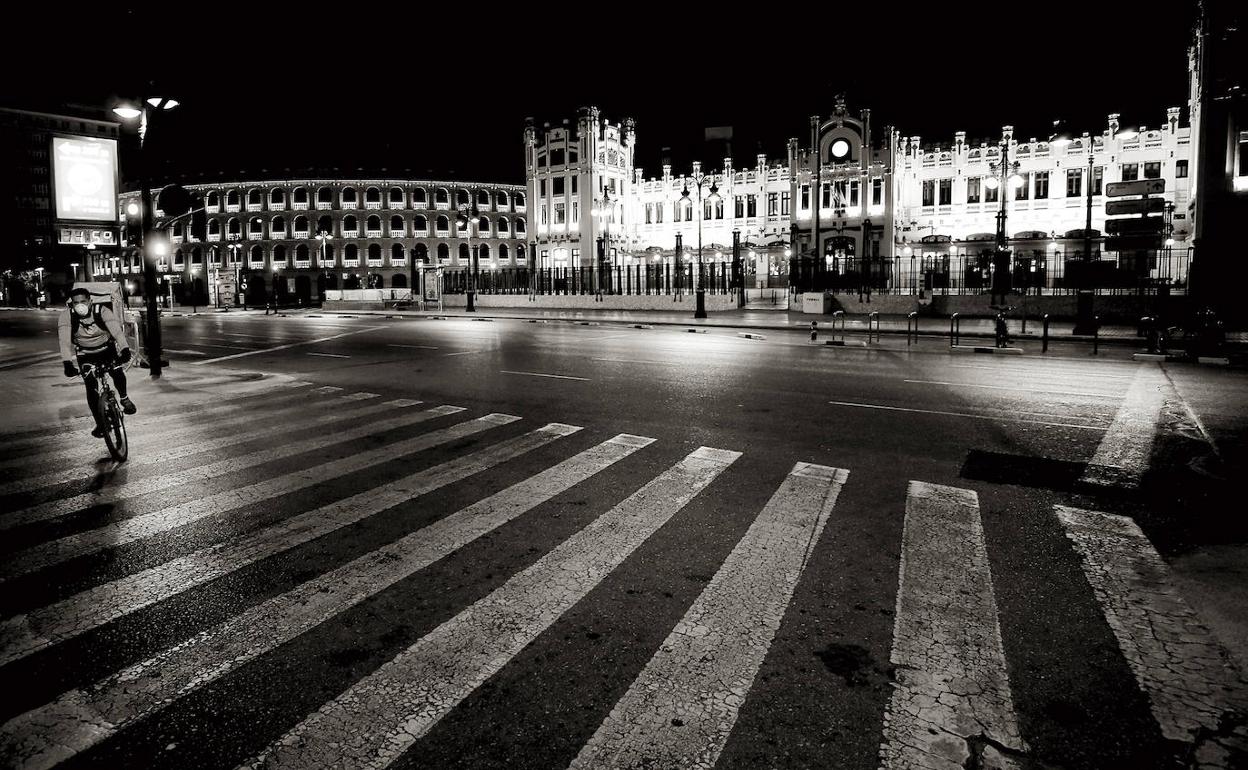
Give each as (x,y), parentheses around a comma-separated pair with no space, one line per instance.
(24,634)
(1021,390)
(995,418)
(554,376)
(638,361)
(82,718)
(418,347)
(680,710)
(952,686)
(379,717)
(288,345)
(1122,456)
(1191,682)
(329,355)
(462,353)
(107,495)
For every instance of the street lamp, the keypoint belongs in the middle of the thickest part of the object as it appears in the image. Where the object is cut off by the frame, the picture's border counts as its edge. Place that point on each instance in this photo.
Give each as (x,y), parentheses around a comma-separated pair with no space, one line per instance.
(468,219)
(604,211)
(1004,177)
(74,267)
(130,112)
(699,180)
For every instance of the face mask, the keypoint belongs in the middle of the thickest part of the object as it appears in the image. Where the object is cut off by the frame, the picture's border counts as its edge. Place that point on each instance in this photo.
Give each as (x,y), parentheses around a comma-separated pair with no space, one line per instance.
(82,309)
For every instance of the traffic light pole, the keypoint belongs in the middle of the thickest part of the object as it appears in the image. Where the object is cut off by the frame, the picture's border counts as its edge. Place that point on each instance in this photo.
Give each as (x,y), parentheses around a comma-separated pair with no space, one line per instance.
(152,348)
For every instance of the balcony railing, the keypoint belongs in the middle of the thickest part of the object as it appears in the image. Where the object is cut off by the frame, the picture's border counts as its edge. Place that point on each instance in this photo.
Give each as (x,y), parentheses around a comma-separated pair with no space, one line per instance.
(277,205)
(231,207)
(214,237)
(372,204)
(235,237)
(324,205)
(398,232)
(255,235)
(397,204)
(277,234)
(374,262)
(372,233)
(212,208)
(303,263)
(350,203)
(351,262)
(299,205)
(400,262)
(299,234)
(255,206)
(420,203)
(353,233)
(442,206)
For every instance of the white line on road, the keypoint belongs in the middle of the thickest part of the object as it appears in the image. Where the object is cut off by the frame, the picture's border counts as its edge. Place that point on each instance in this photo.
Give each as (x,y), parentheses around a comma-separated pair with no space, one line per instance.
(28,358)
(1012,369)
(554,376)
(379,717)
(197,343)
(81,718)
(682,707)
(418,347)
(639,361)
(329,355)
(22,635)
(1021,390)
(952,685)
(186,352)
(1192,683)
(1122,456)
(289,345)
(462,353)
(967,414)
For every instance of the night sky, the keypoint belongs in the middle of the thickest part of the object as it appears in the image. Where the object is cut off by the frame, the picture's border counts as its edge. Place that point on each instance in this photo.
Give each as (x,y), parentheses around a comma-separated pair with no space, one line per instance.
(360,89)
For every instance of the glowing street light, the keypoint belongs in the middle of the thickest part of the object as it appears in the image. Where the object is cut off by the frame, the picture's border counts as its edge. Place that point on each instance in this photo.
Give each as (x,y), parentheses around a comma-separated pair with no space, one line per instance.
(699,180)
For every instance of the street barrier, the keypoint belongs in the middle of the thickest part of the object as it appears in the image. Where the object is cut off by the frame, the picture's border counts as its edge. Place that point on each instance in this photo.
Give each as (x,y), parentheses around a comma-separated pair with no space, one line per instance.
(912,327)
(955,330)
(839,314)
(873,322)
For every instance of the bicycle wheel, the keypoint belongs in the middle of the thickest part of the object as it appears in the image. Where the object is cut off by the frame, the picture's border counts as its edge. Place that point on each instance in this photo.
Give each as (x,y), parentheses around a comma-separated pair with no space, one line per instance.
(115,428)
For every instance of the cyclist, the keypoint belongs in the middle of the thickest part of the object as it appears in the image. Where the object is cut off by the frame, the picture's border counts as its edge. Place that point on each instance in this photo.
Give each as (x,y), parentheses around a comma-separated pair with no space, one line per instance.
(91,333)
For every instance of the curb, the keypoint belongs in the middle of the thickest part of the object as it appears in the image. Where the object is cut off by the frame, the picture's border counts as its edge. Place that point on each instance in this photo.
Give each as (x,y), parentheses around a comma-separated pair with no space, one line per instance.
(751,336)
(985,349)
(846,343)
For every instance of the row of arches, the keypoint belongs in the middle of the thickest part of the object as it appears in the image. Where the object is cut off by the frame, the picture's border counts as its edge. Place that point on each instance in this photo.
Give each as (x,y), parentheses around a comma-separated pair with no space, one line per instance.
(349,197)
(348,226)
(374,252)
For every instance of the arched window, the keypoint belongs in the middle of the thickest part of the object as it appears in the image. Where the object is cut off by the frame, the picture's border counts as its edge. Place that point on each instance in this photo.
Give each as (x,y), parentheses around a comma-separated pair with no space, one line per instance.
(374,252)
(484,251)
(214,227)
(213,199)
(325,195)
(254,197)
(502,251)
(279,253)
(519,200)
(301,252)
(396,224)
(503,227)
(372,195)
(441,195)
(420,225)
(483,197)
(443,224)
(399,281)
(235,227)
(483,226)
(396,196)
(520,252)
(301,226)
(418,196)
(231,198)
(350,225)
(396,253)
(299,195)
(255,228)
(197,256)
(257,255)
(348,196)
(463,251)
(461,197)
(177,230)
(329,254)
(325,224)
(502,199)
(351,252)
(277,196)
(444,251)
(519,226)
(214,255)
(277,226)
(373,224)
(422,252)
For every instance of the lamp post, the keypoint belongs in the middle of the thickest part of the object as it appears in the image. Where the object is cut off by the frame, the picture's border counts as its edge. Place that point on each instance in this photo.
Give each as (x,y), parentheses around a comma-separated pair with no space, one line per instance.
(74,267)
(468,220)
(699,289)
(323,238)
(1004,177)
(604,211)
(130,112)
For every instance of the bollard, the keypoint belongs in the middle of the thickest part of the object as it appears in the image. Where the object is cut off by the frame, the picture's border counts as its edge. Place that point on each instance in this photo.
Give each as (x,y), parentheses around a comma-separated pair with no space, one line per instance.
(955,329)
(1044,344)
(841,315)
(814,331)
(912,318)
(1096,334)
(873,316)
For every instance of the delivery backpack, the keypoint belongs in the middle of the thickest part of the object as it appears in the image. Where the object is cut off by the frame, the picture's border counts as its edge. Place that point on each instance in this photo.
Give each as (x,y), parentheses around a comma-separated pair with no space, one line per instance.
(103,293)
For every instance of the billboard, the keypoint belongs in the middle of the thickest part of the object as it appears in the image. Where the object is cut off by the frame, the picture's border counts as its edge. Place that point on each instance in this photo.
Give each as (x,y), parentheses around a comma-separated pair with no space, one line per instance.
(84,177)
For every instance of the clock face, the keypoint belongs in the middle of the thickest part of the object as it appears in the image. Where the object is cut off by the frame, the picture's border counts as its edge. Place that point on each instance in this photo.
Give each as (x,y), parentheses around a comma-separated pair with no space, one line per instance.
(840,148)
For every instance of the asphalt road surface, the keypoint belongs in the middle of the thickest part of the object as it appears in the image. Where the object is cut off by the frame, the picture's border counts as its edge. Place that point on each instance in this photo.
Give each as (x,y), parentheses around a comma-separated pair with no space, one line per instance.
(371,542)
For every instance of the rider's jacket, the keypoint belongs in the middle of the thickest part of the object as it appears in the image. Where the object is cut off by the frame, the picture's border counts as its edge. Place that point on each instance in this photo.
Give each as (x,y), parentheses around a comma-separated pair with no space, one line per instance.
(91,334)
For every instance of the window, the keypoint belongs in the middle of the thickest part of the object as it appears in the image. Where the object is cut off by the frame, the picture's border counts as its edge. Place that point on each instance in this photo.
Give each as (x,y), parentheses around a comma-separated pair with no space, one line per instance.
(805,197)
(556,186)
(706,209)
(1023,191)
(541,188)
(853,193)
(1074,182)
(444,251)
(1180,169)
(560,213)
(946,192)
(1098,180)
(972,190)
(649,213)
(556,157)
(573,180)
(992,194)
(773,204)
(1242,169)
(929,192)
(1130,172)
(1152,170)
(658,213)
(738,208)
(825,196)
(1042,184)
(576,212)
(877,192)
(751,205)
(719,209)
(786,202)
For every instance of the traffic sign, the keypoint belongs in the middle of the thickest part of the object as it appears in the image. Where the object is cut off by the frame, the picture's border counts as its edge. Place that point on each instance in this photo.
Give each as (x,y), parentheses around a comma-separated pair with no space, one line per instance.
(1134,225)
(1140,206)
(1122,243)
(1137,187)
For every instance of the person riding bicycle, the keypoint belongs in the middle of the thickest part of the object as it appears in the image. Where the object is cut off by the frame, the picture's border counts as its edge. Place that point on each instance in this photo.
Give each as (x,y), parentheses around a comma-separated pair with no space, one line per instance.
(91,333)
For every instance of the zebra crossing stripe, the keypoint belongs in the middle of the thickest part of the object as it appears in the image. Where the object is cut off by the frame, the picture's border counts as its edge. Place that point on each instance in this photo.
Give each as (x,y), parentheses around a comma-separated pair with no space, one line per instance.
(1122,456)
(193,446)
(81,718)
(60,507)
(24,634)
(1192,684)
(952,692)
(379,717)
(203,409)
(681,708)
(28,359)
(149,524)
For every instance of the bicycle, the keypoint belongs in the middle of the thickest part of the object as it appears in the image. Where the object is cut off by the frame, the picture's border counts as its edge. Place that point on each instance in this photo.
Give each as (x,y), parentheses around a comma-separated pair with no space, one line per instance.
(112,418)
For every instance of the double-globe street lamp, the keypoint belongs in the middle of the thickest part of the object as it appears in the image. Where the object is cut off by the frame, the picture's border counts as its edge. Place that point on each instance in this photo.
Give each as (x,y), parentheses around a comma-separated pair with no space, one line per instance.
(141,112)
(1005,177)
(467,220)
(604,211)
(713,198)
(323,238)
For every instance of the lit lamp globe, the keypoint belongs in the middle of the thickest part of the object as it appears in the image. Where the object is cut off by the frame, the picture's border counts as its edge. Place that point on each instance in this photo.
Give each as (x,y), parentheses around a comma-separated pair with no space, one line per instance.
(132,208)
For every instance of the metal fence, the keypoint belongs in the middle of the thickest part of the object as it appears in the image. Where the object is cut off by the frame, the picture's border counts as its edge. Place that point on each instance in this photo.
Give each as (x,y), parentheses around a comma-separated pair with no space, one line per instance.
(659,278)
(1037,272)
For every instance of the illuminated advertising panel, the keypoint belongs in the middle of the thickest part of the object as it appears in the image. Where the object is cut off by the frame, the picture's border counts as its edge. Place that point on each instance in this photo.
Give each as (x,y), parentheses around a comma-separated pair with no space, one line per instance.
(84,174)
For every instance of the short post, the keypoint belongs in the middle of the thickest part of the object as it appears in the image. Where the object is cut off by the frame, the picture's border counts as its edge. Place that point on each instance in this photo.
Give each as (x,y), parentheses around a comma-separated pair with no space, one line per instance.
(873,317)
(814,331)
(1044,339)
(954,329)
(841,315)
(912,318)
(1096,334)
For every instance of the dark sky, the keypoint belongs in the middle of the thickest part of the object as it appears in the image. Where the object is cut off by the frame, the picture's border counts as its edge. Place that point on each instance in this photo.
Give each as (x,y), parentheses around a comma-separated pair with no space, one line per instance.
(361,87)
